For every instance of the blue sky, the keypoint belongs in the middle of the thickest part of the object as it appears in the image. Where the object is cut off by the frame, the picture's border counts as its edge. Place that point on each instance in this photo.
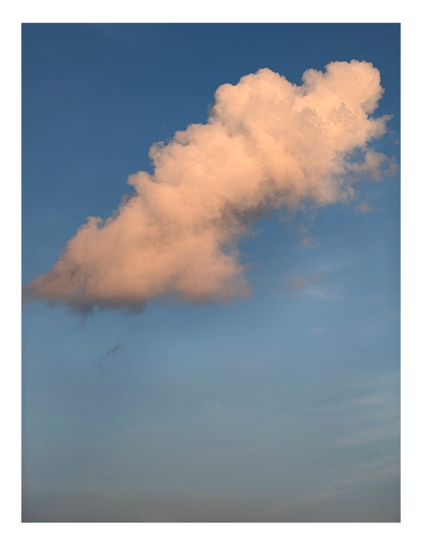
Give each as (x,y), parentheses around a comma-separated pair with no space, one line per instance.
(283,406)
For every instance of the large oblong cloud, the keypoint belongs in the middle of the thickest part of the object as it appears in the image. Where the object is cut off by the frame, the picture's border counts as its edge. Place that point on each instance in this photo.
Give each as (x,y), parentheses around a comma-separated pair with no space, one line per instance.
(267,143)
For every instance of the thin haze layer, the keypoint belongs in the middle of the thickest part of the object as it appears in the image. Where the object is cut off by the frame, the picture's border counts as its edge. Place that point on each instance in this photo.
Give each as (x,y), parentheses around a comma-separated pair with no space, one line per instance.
(267,143)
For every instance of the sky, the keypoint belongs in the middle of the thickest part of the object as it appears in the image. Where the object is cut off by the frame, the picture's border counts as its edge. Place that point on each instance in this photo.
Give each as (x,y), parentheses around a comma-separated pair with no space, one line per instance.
(226,347)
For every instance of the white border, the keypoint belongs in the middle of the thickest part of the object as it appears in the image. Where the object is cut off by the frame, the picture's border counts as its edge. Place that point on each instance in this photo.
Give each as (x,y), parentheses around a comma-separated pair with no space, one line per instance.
(125,11)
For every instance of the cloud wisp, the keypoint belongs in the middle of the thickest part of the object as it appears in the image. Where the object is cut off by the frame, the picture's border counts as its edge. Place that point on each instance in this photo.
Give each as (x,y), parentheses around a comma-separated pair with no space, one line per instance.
(297,282)
(267,143)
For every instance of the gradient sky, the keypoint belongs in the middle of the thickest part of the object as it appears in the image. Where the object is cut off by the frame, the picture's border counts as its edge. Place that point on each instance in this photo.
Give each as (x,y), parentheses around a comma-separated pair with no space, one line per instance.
(283,406)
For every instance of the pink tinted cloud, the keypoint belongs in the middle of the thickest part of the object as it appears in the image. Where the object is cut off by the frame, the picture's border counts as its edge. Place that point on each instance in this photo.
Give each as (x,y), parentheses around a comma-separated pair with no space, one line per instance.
(297,282)
(364,207)
(267,143)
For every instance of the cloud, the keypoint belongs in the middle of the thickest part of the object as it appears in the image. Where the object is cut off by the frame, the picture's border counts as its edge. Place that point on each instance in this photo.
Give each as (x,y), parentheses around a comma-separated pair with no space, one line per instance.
(310,242)
(375,164)
(267,143)
(364,207)
(384,432)
(322,293)
(298,282)
(373,399)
